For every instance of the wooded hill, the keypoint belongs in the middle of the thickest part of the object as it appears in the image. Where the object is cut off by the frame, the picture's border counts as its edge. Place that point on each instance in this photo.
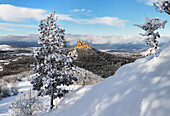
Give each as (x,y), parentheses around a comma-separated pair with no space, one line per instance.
(100,63)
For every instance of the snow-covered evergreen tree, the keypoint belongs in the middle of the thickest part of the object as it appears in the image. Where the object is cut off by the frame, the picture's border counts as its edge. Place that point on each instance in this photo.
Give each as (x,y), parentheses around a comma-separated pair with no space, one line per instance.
(27,105)
(162,6)
(53,67)
(150,26)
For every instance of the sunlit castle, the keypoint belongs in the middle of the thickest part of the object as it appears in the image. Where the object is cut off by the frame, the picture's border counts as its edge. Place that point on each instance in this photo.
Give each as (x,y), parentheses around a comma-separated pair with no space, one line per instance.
(81,44)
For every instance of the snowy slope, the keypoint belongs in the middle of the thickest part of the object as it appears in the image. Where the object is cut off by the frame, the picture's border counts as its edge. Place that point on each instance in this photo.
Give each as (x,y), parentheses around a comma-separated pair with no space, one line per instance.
(141,88)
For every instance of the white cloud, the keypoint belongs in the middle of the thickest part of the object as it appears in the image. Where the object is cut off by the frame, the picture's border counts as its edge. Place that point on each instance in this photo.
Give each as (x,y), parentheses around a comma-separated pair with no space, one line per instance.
(10,26)
(65,17)
(75,10)
(81,10)
(15,25)
(8,29)
(89,11)
(16,14)
(111,21)
(148,2)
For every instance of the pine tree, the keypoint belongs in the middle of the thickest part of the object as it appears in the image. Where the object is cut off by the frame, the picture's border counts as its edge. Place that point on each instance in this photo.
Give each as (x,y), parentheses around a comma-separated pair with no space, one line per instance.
(53,67)
(162,6)
(150,26)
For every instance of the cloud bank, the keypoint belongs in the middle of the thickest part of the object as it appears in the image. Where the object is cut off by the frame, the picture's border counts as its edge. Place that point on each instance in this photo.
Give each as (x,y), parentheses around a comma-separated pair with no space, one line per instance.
(21,38)
(92,39)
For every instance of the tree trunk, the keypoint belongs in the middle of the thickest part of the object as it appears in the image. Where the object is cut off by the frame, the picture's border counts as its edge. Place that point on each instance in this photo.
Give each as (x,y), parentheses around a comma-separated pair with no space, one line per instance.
(52,97)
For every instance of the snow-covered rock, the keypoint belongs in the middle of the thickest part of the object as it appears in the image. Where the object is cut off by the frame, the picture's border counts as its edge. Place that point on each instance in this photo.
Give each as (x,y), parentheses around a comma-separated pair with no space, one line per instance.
(6,47)
(141,88)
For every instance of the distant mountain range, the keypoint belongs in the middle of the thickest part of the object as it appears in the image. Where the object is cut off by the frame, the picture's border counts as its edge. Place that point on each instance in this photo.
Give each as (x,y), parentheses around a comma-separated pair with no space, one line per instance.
(19,44)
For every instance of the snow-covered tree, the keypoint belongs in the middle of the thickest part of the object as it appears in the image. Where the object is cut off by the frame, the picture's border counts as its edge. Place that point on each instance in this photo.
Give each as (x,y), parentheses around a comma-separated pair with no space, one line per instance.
(53,66)
(27,105)
(150,26)
(162,6)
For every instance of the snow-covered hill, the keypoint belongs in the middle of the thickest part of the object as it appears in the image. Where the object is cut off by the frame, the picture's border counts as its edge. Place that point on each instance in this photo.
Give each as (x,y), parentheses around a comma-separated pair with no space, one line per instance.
(141,88)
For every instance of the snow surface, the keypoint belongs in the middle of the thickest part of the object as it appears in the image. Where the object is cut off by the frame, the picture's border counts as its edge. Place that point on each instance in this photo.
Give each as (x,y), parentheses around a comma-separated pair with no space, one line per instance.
(24,86)
(141,88)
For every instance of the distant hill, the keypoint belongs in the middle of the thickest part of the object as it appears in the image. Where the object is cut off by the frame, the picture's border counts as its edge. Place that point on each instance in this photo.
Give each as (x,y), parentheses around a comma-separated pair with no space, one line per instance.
(100,63)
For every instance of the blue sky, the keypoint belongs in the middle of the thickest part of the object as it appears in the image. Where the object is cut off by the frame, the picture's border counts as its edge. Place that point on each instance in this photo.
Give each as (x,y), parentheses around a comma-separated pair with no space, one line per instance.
(92,17)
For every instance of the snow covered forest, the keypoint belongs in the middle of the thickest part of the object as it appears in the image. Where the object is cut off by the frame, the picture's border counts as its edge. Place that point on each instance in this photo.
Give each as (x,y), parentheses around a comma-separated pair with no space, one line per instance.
(57,87)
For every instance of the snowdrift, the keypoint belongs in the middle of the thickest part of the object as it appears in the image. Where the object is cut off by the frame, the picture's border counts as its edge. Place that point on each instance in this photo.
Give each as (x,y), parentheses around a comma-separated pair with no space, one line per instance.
(141,88)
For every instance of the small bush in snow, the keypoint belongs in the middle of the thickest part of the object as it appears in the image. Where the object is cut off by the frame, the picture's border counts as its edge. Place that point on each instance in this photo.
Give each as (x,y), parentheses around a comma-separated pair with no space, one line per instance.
(150,26)
(8,89)
(26,105)
(52,66)
(14,88)
(10,79)
(4,89)
(162,6)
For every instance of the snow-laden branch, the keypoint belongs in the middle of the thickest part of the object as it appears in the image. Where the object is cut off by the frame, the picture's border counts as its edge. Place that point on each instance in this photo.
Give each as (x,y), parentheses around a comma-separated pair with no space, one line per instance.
(150,26)
(162,6)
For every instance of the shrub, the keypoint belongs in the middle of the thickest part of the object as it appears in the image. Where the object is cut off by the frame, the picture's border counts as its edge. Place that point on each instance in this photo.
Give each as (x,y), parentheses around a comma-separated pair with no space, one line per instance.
(26,105)
(4,89)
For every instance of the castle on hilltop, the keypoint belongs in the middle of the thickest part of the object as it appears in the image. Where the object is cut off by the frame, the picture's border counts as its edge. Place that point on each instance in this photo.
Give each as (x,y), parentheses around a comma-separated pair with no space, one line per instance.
(81,44)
